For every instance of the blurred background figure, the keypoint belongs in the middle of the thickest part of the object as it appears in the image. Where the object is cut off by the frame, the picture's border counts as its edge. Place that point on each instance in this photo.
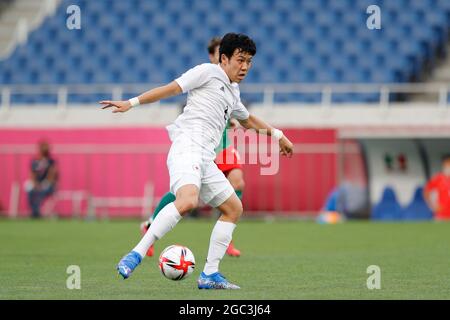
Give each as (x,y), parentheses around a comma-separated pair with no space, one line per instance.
(213,50)
(43,178)
(437,191)
(345,201)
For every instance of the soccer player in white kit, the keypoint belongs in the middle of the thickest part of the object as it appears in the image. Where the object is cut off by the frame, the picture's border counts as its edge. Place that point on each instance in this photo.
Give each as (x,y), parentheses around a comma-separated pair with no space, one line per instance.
(213,97)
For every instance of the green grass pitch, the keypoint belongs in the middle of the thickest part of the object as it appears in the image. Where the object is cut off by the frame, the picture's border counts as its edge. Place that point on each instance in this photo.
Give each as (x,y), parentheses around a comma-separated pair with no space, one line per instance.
(281,260)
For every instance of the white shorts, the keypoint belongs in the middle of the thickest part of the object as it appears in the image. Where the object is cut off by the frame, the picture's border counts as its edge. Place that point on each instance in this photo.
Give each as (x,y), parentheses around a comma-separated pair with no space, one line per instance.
(187,166)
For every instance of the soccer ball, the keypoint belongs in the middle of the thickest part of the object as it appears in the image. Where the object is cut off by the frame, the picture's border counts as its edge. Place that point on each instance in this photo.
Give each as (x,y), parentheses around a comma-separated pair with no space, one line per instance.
(176,262)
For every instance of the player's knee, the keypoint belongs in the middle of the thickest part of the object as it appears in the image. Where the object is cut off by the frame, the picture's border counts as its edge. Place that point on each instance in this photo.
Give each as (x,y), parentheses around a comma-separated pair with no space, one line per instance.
(237,184)
(237,180)
(232,209)
(185,205)
(240,185)
(186,199)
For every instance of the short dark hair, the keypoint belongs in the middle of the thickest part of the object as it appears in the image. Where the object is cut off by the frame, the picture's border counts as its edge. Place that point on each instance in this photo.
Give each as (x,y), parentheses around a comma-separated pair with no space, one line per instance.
(232,41)
(445,157)
(213,44)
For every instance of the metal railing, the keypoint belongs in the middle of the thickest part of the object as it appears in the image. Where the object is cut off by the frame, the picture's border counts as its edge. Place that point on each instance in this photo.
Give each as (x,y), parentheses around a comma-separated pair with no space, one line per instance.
(267,91)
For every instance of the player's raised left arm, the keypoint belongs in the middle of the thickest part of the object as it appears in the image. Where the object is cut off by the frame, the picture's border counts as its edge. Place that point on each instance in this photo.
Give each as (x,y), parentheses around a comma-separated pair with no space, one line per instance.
(153,95)
(253,122)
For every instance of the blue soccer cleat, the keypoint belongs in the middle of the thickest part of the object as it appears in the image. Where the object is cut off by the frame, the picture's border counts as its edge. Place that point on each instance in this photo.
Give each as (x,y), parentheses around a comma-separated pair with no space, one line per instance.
(128,263)
(214,281)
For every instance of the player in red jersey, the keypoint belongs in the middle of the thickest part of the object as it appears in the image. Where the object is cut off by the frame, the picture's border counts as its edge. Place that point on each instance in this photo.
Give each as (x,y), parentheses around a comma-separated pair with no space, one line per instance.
(441,184)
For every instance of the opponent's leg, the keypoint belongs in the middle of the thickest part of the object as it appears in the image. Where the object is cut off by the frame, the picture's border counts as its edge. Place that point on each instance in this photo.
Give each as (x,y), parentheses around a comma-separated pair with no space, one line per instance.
(165,200)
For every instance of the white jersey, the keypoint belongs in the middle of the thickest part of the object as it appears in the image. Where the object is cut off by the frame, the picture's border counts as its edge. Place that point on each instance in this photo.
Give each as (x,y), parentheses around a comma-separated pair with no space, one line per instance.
(211,101)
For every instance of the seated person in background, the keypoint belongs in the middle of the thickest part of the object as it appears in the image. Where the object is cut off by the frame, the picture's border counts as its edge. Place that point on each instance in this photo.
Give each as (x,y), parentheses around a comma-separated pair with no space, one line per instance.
(348,200)
(43,179)
(440,186)
(330,212)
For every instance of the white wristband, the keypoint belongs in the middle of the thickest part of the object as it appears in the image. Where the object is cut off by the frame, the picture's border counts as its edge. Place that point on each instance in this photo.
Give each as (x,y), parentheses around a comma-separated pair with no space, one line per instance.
(134,101)
(277,134)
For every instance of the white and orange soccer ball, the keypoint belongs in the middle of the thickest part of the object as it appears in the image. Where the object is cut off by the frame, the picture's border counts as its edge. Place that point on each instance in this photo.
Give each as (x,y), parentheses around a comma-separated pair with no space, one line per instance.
(176,262)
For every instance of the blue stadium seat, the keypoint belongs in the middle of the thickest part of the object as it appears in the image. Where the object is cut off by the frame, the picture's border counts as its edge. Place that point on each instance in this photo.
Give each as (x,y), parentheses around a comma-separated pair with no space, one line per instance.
(286,5)
(297,97)
(355,98)
(256,5)
(418,208)
(396,5)
(27,99)
(388,207)
(436,18)
(411,18)
(327,17)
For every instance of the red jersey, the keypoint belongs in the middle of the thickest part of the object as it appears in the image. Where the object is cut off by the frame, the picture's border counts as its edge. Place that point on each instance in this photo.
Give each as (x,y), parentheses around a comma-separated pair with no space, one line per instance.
(441,184)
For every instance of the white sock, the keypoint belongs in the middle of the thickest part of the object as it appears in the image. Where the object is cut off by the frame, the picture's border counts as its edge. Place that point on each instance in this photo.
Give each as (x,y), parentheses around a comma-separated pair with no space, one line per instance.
(218,244)
(163,223)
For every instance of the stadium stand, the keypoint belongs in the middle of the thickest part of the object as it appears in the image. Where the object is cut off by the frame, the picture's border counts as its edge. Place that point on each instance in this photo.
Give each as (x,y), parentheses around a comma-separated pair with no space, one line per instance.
(298,41)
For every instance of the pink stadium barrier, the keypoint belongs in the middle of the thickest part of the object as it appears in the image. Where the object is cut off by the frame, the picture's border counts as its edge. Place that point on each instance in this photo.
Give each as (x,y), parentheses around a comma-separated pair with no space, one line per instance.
(119,162)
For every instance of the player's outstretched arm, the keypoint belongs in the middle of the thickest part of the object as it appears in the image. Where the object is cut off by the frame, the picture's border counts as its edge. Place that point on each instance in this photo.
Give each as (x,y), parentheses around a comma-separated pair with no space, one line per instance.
(253,122)
(153,95)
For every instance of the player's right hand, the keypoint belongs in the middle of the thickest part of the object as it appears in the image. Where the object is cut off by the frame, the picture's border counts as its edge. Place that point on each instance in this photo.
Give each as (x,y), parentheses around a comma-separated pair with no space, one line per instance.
(120,106)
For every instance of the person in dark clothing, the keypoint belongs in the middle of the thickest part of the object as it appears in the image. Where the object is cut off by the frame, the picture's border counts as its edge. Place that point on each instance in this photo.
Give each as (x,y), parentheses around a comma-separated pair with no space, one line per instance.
(43,178)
